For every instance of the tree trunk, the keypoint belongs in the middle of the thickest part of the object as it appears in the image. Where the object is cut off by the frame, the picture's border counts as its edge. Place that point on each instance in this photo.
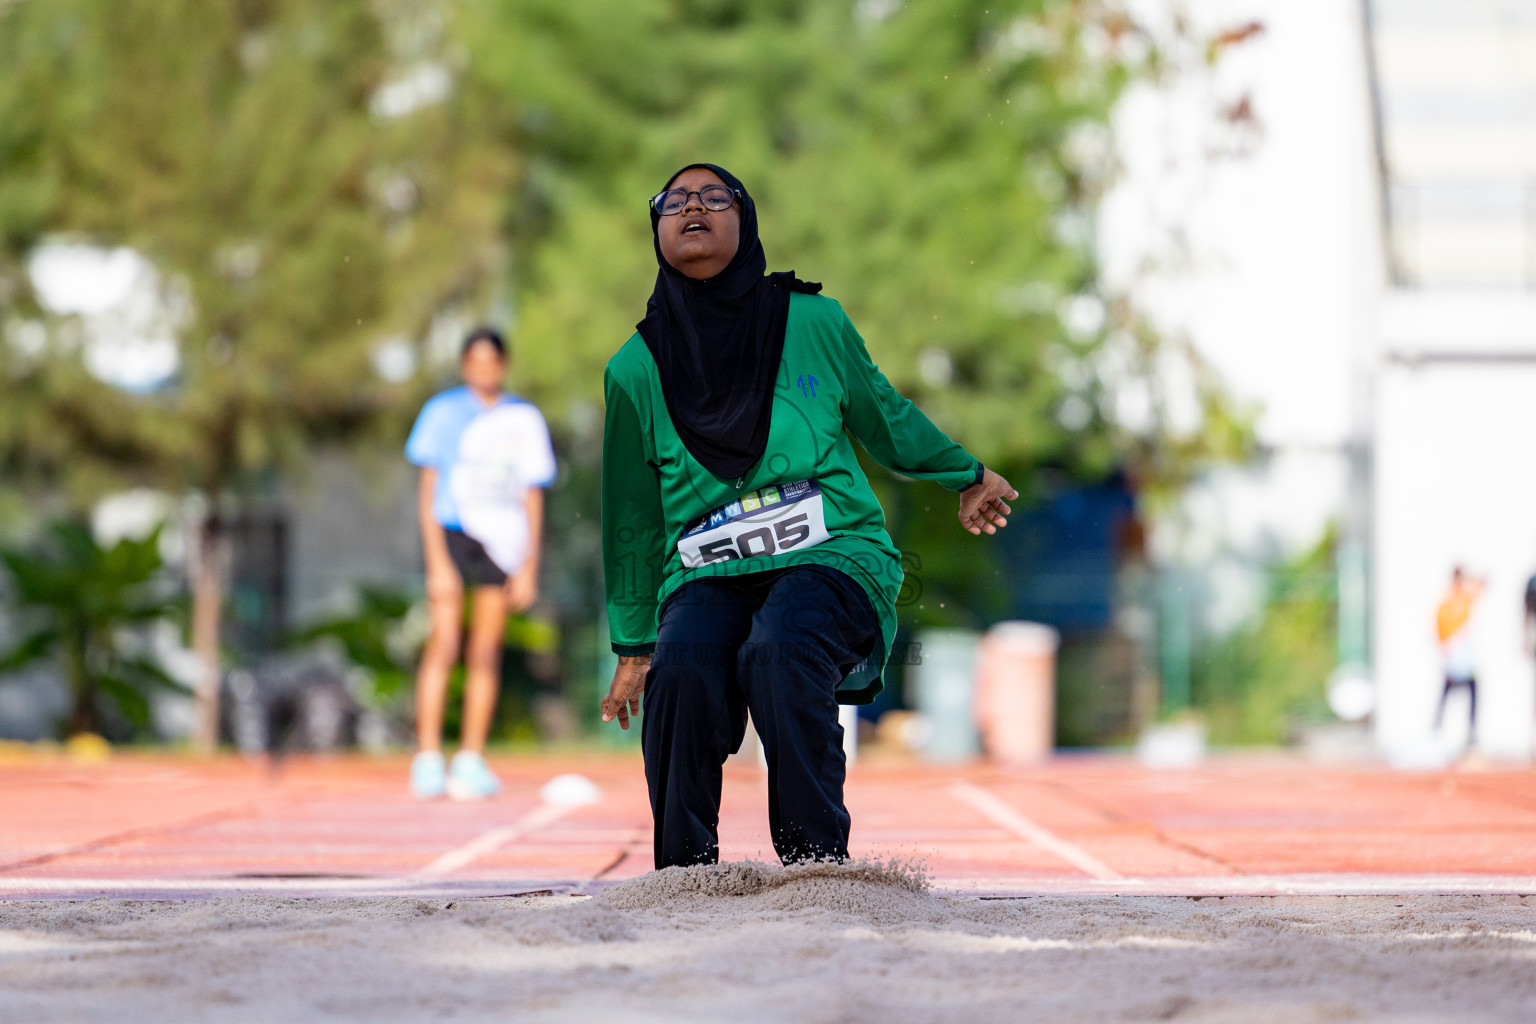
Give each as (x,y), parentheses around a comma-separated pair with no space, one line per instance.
(82,710)
(207,606)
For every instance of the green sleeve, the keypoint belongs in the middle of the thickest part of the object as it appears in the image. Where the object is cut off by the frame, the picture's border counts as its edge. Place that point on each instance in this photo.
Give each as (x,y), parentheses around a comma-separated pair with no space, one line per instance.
(634,532)
(893,430)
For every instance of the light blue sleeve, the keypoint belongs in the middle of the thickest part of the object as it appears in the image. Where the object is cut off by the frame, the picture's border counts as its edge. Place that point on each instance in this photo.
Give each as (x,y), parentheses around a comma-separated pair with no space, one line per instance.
(425,445)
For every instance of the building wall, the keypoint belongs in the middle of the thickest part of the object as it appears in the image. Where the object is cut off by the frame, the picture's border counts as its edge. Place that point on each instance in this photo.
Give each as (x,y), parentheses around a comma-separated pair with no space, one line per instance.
(350,523)
(1455,413)
(1454,366)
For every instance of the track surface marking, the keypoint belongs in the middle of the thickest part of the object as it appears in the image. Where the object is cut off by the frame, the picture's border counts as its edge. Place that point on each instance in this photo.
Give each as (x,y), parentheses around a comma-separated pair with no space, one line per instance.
(495,839)
(1027,830)
(148,824)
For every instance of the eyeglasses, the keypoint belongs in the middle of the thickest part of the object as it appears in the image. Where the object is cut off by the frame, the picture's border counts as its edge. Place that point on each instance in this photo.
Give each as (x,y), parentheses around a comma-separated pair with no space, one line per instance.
(673,200)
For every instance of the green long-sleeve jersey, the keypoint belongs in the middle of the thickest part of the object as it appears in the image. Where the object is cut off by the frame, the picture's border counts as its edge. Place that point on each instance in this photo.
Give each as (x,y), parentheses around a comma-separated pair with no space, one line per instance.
(668,520)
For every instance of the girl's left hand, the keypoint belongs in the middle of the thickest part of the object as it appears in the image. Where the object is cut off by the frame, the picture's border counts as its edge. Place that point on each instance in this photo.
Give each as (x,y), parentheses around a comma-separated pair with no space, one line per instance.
(982,508)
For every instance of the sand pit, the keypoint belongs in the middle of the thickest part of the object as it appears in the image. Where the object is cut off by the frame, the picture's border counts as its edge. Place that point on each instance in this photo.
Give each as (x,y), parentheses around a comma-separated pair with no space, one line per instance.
(749,942)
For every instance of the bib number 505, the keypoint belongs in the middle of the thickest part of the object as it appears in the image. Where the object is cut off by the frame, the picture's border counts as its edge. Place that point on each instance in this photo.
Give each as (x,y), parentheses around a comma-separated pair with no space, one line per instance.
(784,534)
(768,521)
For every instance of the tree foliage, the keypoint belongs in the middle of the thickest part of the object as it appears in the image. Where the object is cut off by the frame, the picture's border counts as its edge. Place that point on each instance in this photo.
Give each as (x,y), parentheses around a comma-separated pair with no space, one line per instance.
(1272,671)
(306,183)
(312,178)
(937,166)
(240,148)
(375,637)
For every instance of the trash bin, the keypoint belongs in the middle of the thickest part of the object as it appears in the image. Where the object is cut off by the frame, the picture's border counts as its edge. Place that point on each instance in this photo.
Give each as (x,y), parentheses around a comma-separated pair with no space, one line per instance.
(1016,691)
(942,682)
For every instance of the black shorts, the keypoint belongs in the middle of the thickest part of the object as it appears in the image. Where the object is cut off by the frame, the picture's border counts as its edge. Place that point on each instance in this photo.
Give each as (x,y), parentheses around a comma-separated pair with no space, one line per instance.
(474,565)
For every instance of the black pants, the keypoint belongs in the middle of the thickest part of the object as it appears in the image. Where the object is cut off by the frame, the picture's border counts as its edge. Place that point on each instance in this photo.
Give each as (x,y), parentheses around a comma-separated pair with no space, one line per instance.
(1451,684)
(775,643)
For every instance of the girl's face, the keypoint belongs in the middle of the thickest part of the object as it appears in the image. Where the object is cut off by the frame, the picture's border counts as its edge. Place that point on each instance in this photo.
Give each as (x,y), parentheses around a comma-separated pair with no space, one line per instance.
(483,368)
(699,243)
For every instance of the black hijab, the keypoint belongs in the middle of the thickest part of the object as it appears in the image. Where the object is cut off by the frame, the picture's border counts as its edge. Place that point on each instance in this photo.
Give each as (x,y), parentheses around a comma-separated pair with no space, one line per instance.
(717,345)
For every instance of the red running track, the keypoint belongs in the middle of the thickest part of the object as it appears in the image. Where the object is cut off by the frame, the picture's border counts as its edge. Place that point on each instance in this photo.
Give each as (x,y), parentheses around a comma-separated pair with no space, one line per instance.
(159,825)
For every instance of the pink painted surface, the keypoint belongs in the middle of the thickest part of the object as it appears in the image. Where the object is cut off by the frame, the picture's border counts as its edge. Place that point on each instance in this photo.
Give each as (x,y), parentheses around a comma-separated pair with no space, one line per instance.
(145,824)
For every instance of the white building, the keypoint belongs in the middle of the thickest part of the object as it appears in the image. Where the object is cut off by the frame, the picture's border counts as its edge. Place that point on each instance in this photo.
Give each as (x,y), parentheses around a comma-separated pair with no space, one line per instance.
(1365,274)
(1452,372)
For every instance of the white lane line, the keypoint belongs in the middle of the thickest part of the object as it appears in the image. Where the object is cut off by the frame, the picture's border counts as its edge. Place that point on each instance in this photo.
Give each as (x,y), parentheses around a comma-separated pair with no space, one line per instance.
(1005,816)
(1281,886)
(488,842)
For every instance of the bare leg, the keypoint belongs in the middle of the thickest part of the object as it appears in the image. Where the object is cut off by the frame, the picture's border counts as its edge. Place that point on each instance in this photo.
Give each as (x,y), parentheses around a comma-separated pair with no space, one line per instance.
(1445,694)
(482,664)
(1472,713)
(442,650)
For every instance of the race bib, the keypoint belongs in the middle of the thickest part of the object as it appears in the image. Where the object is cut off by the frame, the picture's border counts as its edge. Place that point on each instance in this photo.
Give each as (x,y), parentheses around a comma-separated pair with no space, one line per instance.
(767,521)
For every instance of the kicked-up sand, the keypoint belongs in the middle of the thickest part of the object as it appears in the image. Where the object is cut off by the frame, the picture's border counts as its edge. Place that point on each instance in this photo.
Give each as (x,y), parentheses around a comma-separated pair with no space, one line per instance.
(747,942)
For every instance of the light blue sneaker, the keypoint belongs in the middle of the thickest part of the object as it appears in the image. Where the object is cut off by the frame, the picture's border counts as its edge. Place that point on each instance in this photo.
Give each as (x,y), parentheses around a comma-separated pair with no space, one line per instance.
(428,775)
(470,778)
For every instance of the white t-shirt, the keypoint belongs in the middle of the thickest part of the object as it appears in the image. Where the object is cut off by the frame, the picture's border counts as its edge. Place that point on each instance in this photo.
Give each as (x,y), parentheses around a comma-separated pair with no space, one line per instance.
(501,454)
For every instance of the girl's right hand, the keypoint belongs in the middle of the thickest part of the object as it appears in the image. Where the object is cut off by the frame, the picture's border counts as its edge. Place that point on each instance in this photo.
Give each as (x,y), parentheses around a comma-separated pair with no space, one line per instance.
(984,507)
(628,687)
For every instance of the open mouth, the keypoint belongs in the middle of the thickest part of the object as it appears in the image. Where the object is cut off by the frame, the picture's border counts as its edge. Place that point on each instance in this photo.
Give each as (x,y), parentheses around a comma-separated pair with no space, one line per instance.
(697,225)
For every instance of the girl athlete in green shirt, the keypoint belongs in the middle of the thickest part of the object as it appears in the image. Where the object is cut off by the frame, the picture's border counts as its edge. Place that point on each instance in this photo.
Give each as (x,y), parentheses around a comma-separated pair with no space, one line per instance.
(746,560)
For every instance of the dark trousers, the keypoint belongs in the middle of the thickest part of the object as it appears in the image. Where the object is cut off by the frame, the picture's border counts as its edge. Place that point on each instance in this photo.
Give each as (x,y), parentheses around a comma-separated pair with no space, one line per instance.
(775,643)
(1451,684)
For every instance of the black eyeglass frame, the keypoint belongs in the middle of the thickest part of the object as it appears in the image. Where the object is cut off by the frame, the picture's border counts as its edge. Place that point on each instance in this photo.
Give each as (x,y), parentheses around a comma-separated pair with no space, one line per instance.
(655,200)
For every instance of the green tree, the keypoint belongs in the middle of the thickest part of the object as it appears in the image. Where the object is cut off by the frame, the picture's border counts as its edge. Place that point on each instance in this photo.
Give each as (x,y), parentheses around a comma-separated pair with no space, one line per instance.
(85,607)
(1253,683)
(935,165)
(314,177)
(375,637)
(307,180)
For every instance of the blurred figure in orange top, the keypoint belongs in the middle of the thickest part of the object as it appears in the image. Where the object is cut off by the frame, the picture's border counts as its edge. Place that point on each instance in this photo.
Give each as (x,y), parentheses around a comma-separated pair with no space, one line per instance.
(1453,623)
